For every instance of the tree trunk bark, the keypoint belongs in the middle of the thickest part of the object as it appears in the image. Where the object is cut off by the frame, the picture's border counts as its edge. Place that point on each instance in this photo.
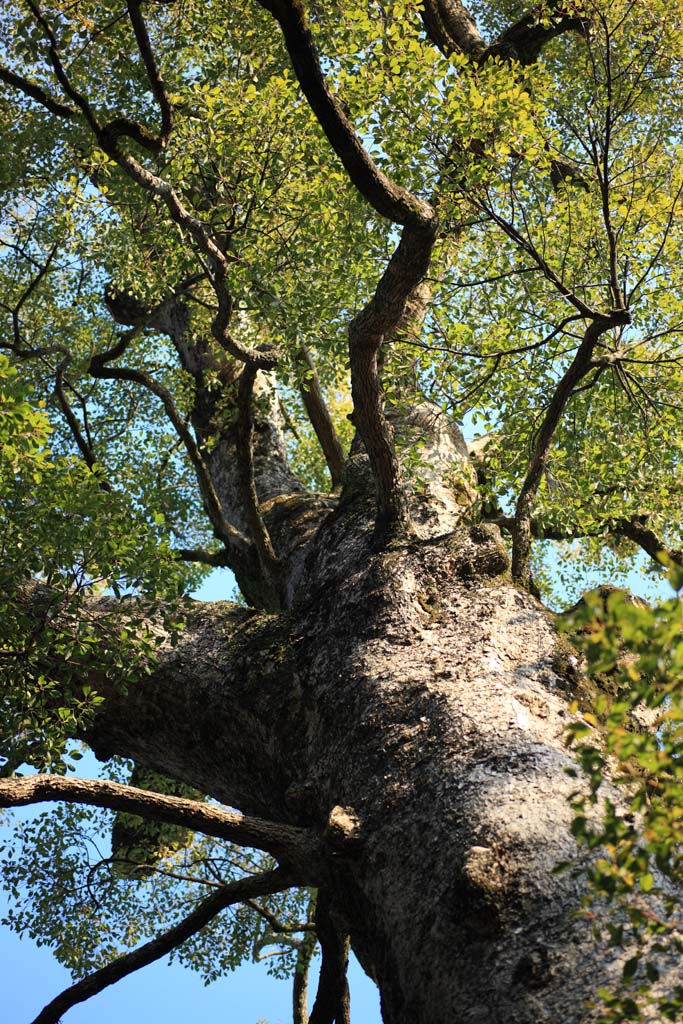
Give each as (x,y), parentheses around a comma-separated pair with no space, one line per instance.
(410,707)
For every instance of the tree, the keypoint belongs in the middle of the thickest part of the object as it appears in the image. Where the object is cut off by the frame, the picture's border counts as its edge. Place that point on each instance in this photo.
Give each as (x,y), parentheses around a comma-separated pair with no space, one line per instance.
(259,261)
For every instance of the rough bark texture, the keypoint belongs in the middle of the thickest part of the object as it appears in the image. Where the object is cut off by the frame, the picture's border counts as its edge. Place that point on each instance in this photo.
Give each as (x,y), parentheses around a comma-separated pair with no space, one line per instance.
(408,708)
(405,707)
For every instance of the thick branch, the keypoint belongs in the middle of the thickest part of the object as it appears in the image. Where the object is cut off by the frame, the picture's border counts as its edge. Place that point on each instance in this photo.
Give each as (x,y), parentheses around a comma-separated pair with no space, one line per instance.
(256,885)
(637,530)
(451,27)
(378,321)
(389,199)
(303,964)
(295,846)
(153,74)
(270,563)
(524,40)
(332,998)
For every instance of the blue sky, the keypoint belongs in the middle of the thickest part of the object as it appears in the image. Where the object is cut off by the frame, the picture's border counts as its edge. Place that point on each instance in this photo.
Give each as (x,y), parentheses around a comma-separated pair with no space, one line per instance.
(158,994)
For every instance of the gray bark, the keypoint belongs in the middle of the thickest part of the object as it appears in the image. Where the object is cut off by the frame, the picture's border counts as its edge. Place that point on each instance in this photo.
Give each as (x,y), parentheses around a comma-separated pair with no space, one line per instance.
(408,708)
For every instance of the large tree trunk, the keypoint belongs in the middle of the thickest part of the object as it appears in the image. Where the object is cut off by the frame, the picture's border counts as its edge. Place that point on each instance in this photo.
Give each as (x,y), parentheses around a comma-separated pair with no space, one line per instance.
(409,708)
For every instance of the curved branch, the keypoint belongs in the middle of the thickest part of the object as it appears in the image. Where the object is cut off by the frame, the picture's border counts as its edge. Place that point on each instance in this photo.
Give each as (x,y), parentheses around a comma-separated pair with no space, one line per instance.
(225,532)
(581,364)
(389,199)
(153,74)
(121,126)
(637,530)
(292,845)
(257,885)
(35,92)
(524,40)
(379,320)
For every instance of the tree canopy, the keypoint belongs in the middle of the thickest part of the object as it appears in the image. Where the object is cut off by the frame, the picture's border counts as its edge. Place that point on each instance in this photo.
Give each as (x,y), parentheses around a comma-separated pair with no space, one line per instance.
(249,248)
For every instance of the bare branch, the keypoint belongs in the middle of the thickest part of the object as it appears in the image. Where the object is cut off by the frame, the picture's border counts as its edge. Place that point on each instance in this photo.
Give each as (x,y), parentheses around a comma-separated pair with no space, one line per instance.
(257,885)
(295,846)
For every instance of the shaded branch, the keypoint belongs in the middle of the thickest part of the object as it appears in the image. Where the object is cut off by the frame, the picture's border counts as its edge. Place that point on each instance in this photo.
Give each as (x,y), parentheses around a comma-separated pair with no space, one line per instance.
(120,126)
(367,331)
(276,925)
(257,885)
(153,74)
(332,998)
(74,426)
(216,558)
(524,40)
(35,92)
(302,967)
(634,528)
(294,846)
(271,565)
(225,532)
(107,136)
(389,199)
(318,414)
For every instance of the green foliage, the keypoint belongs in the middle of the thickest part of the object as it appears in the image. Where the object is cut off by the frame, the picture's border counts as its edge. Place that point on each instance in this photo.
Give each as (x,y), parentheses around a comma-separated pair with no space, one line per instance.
(636,651)
(59,527)
(67,893)
(559,190)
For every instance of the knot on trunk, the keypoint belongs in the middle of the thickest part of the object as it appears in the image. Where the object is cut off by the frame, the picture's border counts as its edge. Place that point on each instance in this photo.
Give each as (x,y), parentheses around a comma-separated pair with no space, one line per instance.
(343,833)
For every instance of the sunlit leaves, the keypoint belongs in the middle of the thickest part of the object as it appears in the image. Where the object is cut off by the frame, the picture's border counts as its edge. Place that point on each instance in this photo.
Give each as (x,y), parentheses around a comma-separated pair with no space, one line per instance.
(60,527)
(636,653)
